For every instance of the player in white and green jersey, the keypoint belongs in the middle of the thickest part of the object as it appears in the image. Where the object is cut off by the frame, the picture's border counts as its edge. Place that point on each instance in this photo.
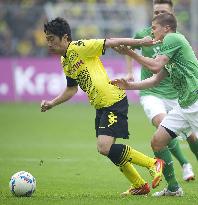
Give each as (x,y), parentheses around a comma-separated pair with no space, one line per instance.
(82,67)
(159,100)
(164,90)
(176,59)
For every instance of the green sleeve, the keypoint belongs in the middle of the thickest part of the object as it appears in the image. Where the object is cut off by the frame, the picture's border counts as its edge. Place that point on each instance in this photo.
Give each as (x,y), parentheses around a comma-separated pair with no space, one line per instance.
(171,45)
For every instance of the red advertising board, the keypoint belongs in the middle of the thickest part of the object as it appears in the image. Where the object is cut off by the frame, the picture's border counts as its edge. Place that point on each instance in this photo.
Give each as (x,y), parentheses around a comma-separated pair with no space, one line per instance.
(34,79)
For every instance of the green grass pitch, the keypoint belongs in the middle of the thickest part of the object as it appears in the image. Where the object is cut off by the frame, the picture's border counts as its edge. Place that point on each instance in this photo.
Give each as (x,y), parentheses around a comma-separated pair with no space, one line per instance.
(59,149)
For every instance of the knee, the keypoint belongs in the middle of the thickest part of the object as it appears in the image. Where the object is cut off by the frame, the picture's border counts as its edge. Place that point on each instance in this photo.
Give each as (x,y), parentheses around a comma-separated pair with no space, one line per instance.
(156,122)
(104,144)
(155,144)
(158,119)
(103,149)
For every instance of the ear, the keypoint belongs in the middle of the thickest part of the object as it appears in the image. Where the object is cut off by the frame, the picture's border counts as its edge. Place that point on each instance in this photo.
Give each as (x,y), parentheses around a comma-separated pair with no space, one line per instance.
(167,28)
(65,37)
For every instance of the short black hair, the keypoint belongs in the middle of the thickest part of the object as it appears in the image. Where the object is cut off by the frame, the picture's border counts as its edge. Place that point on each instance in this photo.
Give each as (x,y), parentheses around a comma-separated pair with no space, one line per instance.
(166,19)
(58,27)
(169,2)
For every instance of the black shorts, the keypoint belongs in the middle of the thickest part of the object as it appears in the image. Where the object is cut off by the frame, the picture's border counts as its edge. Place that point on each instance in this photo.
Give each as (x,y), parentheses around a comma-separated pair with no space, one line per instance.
(113,120)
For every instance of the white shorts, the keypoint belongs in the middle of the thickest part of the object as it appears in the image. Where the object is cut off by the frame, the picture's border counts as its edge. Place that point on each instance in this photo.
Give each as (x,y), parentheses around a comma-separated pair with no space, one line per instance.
(181,120)
(154,105)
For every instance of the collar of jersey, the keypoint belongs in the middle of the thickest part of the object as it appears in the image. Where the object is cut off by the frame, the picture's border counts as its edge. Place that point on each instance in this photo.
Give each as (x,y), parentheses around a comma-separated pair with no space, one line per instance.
(66,50)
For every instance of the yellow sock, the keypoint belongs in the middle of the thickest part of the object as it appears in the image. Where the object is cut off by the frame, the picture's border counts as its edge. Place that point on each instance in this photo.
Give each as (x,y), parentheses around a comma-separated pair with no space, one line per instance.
(133,156)
(132,175)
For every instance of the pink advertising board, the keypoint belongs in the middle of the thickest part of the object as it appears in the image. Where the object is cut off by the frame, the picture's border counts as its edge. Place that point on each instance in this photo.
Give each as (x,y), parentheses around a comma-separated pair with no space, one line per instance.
(34,79)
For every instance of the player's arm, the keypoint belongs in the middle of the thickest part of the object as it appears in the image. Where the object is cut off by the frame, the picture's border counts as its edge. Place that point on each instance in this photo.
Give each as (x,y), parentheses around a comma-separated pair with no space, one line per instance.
(114,42)
(68,93)
(144,84)
(129,61)
(129,69)
(152,64)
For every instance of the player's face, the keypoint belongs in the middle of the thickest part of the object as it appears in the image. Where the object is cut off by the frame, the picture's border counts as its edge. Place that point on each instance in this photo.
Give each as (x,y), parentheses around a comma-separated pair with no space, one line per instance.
(161,8)
(158,31)
(55,44)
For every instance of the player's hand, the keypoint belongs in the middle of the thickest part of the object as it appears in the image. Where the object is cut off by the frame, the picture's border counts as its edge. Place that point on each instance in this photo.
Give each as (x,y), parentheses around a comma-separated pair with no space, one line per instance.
(122,84)
(148,41)
(46,105)
(124,50)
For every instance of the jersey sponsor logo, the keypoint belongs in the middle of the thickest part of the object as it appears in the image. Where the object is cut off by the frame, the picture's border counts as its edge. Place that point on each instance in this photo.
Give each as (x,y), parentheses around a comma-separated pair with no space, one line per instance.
(112,119)
(75,67)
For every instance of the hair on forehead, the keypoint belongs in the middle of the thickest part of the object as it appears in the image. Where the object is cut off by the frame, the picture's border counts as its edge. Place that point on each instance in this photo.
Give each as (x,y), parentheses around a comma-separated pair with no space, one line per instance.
(166,19)
(58,27)
(169,2)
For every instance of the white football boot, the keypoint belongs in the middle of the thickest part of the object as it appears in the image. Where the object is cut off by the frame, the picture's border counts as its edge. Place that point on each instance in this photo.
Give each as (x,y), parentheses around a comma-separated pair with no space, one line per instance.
(188,173)
(166,192)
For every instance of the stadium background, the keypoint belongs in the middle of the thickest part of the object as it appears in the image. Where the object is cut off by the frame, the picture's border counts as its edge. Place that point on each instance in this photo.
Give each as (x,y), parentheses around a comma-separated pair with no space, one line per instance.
(29,73)
(58,147)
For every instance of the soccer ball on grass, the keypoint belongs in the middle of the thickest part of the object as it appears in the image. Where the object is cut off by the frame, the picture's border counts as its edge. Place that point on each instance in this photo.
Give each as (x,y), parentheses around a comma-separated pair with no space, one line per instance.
(22,184)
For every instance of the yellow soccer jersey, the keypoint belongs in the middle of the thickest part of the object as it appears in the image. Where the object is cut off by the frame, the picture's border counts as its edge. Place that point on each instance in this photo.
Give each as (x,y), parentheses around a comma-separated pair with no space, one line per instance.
(81,63)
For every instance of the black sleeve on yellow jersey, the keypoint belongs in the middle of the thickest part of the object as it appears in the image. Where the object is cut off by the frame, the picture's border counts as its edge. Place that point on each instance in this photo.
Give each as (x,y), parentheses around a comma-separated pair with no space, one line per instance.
(71,82)
(103,50)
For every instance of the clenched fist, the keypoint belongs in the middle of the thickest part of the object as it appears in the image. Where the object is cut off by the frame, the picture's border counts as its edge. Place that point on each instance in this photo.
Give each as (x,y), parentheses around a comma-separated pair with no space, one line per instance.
(46,105)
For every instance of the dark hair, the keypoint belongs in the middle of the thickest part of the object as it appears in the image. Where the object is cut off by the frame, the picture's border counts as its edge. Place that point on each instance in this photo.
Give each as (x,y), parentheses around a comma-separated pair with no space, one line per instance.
(58,27)
(169,2)
(166,19)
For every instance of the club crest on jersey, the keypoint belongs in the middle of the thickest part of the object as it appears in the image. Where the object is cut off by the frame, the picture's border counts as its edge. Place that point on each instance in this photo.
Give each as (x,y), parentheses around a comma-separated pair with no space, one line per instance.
(73,56)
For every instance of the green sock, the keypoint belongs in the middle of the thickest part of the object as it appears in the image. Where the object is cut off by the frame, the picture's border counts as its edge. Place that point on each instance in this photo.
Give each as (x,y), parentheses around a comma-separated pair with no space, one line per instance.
(175,149)
(168,171)
(194,147)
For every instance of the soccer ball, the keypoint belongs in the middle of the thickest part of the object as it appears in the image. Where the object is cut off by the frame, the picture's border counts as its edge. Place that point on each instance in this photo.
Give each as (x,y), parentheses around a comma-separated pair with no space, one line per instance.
(22,184)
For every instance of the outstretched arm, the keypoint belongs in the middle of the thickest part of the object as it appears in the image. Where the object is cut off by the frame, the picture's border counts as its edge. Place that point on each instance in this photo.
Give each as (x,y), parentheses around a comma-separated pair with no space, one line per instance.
(67,94)
(114,42)
(152,64)
(144,84)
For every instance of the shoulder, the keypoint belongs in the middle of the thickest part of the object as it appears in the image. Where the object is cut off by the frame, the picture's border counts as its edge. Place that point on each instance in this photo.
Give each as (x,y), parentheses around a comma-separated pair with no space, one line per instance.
(79,43)
(173,37)
(75,48)
(84,42)
(172,42)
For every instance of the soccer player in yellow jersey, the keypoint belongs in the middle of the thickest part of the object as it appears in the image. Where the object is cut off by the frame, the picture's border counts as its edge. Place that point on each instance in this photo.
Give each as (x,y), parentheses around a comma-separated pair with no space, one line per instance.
(82,67)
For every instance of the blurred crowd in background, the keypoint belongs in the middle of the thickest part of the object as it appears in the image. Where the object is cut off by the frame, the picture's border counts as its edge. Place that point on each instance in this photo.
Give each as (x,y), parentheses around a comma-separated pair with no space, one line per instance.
(21,21)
